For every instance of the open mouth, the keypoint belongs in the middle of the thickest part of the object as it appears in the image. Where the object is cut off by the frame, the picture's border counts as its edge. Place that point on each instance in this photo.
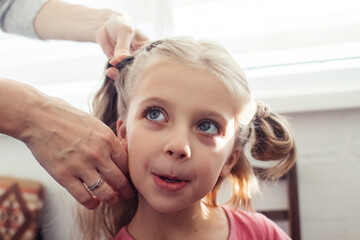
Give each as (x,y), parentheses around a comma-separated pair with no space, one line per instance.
(170,184)
(170,180)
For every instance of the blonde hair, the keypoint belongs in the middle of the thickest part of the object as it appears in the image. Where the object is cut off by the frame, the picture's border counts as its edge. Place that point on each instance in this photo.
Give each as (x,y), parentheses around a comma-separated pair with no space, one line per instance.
(270,136)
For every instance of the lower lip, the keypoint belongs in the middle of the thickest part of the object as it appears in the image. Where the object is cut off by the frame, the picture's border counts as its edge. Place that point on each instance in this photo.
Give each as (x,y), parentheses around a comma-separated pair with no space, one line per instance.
(169,187)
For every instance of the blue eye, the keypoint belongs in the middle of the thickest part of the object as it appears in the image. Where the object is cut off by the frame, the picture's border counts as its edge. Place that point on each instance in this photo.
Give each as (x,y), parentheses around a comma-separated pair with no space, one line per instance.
(155,114)
(209,127)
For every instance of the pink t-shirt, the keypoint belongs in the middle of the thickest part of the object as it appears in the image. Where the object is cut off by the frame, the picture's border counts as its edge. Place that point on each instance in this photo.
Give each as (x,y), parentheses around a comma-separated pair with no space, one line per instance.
(255,226)
(243,226)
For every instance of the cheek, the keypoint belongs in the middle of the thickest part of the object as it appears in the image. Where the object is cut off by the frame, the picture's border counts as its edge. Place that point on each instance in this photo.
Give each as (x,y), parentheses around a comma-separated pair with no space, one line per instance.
(209,169)
(133,166)
(212,166)
(141,150)
(136,151)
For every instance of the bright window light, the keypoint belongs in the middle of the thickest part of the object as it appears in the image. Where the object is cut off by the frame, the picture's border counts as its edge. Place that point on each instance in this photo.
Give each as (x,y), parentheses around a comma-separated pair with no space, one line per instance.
(262,32)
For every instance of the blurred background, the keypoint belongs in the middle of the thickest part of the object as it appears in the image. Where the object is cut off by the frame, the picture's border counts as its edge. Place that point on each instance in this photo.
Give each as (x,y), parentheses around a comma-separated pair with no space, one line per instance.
(300,57)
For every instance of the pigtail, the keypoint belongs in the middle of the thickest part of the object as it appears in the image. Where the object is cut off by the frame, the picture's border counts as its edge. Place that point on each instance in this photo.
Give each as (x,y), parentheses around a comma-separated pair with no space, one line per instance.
(106,100)
(244,184)
(271,141)
(266,139)
(105,104)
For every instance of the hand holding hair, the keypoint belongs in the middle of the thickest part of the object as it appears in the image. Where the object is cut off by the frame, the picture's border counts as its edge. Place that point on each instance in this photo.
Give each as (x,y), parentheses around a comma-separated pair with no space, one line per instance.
(117,37)
(78,150)
(114,31)
(74,147)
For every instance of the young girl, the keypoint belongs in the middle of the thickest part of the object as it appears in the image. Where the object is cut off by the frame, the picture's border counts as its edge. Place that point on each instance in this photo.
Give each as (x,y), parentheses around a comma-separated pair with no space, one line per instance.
(182,110)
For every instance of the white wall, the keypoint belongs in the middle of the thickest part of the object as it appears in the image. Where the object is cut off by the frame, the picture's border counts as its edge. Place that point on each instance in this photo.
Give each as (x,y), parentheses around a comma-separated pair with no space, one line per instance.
(328,172)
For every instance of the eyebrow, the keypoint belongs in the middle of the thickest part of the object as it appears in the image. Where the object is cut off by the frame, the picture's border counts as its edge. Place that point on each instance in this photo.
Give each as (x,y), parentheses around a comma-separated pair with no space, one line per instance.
(158,100)
(211,114)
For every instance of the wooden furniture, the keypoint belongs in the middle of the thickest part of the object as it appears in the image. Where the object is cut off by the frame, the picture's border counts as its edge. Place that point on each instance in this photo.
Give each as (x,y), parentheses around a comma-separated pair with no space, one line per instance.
(291,214)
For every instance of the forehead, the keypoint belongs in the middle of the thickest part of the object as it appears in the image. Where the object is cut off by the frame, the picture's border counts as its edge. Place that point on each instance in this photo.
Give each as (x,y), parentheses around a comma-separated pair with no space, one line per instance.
(178,83)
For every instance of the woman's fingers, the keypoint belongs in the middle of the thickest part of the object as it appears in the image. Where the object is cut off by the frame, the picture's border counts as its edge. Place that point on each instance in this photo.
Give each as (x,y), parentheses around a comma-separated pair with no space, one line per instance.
(116,35)
(72,145)
(124,37)
(107,183)
(117,38)
(113,73)
(116,178)
(99,188)
(140,37)
(77,189)
(107,46)
(105,163)
(115,170)
(118,154)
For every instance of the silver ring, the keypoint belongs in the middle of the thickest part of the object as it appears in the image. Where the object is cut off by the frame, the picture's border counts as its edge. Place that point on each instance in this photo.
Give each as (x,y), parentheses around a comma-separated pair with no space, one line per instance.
(96,185)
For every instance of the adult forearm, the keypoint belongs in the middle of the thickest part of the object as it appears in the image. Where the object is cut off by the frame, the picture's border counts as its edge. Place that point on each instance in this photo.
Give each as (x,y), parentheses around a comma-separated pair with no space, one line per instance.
(16,101)
(60,20)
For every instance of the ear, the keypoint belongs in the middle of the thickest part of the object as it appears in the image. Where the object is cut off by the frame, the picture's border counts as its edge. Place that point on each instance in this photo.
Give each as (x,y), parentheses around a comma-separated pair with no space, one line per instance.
(230,163)
(121,133)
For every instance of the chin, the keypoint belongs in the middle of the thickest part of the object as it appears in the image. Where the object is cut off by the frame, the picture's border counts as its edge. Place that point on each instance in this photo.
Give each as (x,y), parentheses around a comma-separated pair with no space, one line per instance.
(167,207)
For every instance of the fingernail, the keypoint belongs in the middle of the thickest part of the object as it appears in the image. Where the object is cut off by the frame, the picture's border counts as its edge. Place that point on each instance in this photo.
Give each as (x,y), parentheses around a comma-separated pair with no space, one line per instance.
(111,73)
(120,56)
(113,61)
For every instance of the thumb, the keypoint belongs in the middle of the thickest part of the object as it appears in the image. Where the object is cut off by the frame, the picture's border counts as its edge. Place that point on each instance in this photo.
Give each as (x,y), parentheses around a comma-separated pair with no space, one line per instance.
(124,39)
(121,51)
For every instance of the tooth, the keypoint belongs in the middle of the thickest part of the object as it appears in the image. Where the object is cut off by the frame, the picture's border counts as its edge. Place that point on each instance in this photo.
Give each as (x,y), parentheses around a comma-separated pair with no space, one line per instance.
(169,180)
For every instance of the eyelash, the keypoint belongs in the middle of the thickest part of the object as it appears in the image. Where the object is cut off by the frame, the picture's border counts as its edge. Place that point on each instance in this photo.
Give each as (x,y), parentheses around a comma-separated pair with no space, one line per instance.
(152,108)
(156,108)
(212,122)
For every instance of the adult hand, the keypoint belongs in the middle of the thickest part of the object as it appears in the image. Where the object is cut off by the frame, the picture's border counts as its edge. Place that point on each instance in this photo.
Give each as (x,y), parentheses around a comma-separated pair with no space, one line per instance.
(116,37)
(114,31)
(76,149)
(73,146)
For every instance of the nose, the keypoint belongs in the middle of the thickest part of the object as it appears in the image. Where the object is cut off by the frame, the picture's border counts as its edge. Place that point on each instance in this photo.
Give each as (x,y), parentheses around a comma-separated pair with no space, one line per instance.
(177,145)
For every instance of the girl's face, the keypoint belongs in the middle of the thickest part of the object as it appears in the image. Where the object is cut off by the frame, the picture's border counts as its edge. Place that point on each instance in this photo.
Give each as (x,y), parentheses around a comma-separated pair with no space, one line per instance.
(179,133)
